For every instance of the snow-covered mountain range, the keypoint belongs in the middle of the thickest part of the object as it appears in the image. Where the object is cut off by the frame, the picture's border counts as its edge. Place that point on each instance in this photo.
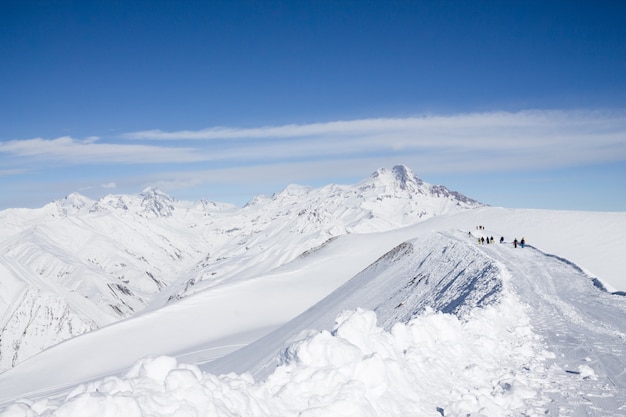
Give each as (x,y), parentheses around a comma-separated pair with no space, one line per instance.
(76,265)
(375,299)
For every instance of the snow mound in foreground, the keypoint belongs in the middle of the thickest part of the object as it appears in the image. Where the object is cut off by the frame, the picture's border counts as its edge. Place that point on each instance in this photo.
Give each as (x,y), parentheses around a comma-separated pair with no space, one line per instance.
(436,364)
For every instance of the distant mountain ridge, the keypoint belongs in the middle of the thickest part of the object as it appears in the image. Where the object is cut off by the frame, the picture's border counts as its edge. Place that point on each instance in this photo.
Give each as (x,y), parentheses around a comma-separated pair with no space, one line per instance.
(77,264)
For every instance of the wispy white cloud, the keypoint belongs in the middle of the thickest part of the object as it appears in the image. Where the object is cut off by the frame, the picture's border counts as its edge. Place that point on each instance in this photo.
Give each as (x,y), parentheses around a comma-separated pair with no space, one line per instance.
(108,185)
(9,172)
(532,138)
(68,150)
(490,128)
(567,137)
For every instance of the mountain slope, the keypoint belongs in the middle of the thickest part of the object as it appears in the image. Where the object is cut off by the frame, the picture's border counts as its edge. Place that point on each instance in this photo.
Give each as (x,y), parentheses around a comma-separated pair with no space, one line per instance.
(432,271)
(534,336)
(91,263)
(256,306)
(581,327)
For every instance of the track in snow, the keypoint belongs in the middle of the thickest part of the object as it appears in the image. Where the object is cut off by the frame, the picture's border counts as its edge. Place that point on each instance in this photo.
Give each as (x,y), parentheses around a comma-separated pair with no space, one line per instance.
(582,325)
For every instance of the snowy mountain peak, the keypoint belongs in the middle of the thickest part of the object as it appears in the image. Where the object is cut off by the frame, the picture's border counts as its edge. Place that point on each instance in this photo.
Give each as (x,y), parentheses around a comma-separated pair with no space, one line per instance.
(291,191)
(149,191)
(401,182)
(400,177)
(157,202)
(151,202)
(404,175)
(111,202)
(75,201)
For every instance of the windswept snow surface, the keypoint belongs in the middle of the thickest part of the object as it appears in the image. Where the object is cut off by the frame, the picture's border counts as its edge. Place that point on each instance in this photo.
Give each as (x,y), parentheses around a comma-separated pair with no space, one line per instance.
(431,323)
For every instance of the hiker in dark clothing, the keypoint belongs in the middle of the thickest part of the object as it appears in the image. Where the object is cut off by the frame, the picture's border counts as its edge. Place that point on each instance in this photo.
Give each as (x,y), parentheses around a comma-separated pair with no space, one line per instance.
(502,239)
(522,242)
(515,243)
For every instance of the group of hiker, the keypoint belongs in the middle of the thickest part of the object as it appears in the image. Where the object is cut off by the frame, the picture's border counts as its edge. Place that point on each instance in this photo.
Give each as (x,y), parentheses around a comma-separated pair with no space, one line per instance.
(489,239)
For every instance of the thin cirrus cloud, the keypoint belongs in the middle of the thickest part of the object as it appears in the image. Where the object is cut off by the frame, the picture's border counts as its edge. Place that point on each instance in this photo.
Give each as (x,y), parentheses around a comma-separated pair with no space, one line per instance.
(450,125)
(540,137)
(532,138)
(11,172)
(71,151)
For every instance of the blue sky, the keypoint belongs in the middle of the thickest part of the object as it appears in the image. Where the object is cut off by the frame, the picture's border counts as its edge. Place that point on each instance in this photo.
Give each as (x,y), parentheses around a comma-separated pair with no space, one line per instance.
(513,103)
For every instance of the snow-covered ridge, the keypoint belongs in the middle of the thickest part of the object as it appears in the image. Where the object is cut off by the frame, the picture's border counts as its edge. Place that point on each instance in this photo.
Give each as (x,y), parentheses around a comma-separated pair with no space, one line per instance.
(526,333)
(124,254)
(436,272)
(150,203)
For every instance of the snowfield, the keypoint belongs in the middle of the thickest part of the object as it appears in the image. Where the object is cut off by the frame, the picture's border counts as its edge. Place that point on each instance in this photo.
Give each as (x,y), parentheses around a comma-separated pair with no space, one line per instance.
(381,316)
